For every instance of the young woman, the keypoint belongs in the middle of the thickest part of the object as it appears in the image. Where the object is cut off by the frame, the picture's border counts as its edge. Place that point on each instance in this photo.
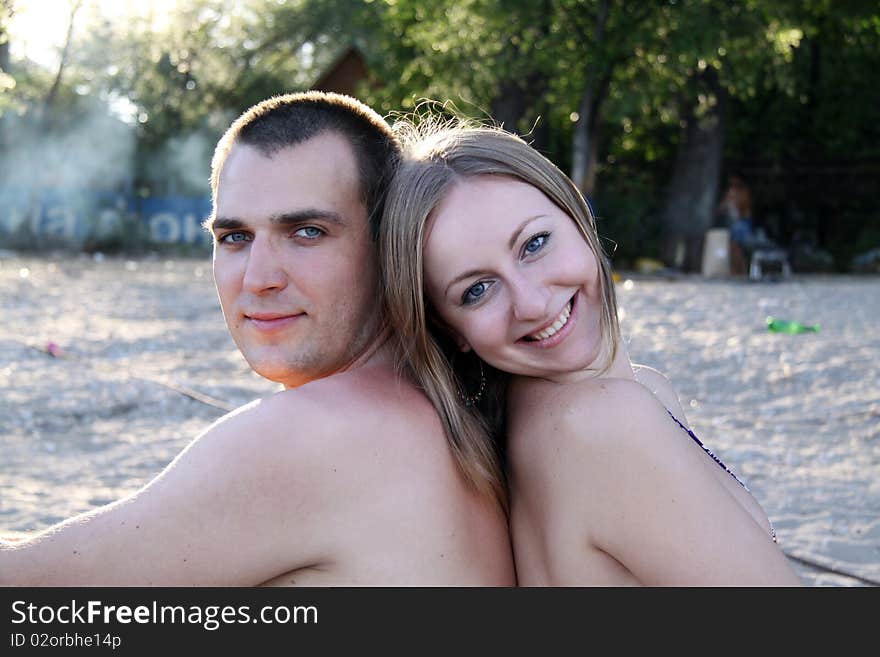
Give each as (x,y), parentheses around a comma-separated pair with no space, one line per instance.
(506,312)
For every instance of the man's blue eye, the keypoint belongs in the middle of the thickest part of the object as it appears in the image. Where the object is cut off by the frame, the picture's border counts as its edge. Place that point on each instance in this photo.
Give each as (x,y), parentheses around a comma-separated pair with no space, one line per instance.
(309,232)
(475,292)
(237,236)
(536,243)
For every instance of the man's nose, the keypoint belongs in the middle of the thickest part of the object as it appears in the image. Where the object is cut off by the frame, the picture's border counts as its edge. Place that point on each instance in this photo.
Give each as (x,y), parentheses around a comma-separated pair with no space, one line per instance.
(264,270)
(530,298)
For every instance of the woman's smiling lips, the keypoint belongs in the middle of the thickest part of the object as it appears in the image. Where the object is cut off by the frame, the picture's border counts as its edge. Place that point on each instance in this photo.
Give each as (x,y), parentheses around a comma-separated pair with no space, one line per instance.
(559,335)
(271,322)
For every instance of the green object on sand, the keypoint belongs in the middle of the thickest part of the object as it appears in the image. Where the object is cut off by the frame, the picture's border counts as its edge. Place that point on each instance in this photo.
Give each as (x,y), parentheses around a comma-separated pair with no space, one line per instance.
(785,326)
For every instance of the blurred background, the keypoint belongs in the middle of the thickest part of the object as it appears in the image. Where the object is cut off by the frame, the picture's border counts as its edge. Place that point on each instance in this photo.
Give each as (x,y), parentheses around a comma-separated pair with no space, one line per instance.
(109,109)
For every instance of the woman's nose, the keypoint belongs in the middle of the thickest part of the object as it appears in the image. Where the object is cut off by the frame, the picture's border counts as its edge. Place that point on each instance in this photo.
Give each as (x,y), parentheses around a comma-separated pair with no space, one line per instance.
(530,298)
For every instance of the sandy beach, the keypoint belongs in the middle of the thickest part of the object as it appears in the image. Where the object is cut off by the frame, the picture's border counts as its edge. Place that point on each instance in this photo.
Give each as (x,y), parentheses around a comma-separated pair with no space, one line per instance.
(796,416)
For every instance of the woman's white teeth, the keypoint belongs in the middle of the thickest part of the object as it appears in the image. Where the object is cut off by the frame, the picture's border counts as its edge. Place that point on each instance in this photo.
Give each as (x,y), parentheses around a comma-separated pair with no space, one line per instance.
(561,321)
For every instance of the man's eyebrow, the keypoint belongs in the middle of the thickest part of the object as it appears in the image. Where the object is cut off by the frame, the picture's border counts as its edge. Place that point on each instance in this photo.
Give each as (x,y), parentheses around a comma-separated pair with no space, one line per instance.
(309,214)
(281,219)
(222,223)
(510,244)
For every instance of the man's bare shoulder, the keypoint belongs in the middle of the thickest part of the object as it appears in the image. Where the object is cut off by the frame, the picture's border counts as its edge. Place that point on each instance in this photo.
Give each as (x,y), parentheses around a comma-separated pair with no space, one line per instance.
(357,400)
(293,460)
(374,387)
(372,421)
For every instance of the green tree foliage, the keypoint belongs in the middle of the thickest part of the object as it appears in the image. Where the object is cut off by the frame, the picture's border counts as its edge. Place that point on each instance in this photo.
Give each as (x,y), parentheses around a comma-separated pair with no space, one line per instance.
(615,92)
(6,81)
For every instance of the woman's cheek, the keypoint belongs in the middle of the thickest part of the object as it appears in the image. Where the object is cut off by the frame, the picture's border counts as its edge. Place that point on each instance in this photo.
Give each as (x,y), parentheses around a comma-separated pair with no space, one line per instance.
(490,334)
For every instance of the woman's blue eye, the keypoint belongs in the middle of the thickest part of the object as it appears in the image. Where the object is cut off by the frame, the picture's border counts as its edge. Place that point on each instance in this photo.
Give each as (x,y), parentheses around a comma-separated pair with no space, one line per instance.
(475,292)
(309,232)
(536,243)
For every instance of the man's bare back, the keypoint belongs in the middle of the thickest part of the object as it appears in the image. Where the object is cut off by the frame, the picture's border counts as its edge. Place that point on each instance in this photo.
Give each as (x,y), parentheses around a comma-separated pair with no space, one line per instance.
(401,512)
(344,481)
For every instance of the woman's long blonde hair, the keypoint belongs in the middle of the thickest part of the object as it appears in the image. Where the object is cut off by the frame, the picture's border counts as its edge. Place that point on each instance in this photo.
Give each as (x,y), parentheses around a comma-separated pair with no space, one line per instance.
(436,157)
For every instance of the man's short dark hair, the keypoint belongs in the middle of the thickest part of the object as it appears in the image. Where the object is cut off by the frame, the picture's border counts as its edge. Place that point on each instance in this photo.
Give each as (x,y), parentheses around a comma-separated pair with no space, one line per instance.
(288,120)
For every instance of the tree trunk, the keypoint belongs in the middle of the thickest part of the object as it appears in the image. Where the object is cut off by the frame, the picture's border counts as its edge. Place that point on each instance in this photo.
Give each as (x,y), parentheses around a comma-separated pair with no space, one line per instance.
(513,103)
(584,150)
(582,145)
(693,189)
(599,95)
(6,13)
(523,96)
(4,49)
(49,99)
(5,9)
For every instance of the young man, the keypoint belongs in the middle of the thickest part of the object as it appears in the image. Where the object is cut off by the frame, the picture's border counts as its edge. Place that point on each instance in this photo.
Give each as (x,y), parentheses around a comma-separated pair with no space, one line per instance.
(345,478)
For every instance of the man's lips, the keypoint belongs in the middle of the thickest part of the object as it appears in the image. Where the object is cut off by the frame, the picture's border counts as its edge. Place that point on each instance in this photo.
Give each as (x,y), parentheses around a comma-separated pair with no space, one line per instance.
(269,322)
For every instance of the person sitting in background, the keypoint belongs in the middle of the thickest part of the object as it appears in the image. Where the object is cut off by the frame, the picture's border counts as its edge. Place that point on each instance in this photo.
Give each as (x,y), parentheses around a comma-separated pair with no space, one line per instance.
(736,210)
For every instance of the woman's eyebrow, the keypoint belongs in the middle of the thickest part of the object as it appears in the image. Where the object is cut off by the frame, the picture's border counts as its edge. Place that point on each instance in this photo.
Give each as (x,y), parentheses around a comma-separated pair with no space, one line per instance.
(520,228)
(461,277)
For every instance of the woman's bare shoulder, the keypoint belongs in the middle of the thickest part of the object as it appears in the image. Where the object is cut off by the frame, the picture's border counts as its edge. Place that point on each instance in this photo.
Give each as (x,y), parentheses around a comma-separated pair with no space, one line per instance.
(636,488)
(598,430)
(660,386)
(603,412)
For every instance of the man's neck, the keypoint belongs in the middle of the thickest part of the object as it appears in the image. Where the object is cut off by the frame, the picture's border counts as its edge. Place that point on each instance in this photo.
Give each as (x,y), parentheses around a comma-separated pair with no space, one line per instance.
(376,353)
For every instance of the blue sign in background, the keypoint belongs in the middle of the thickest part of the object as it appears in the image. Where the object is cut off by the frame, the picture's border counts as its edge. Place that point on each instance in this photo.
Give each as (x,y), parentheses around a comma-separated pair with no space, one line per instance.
(175,218)
(73,216)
